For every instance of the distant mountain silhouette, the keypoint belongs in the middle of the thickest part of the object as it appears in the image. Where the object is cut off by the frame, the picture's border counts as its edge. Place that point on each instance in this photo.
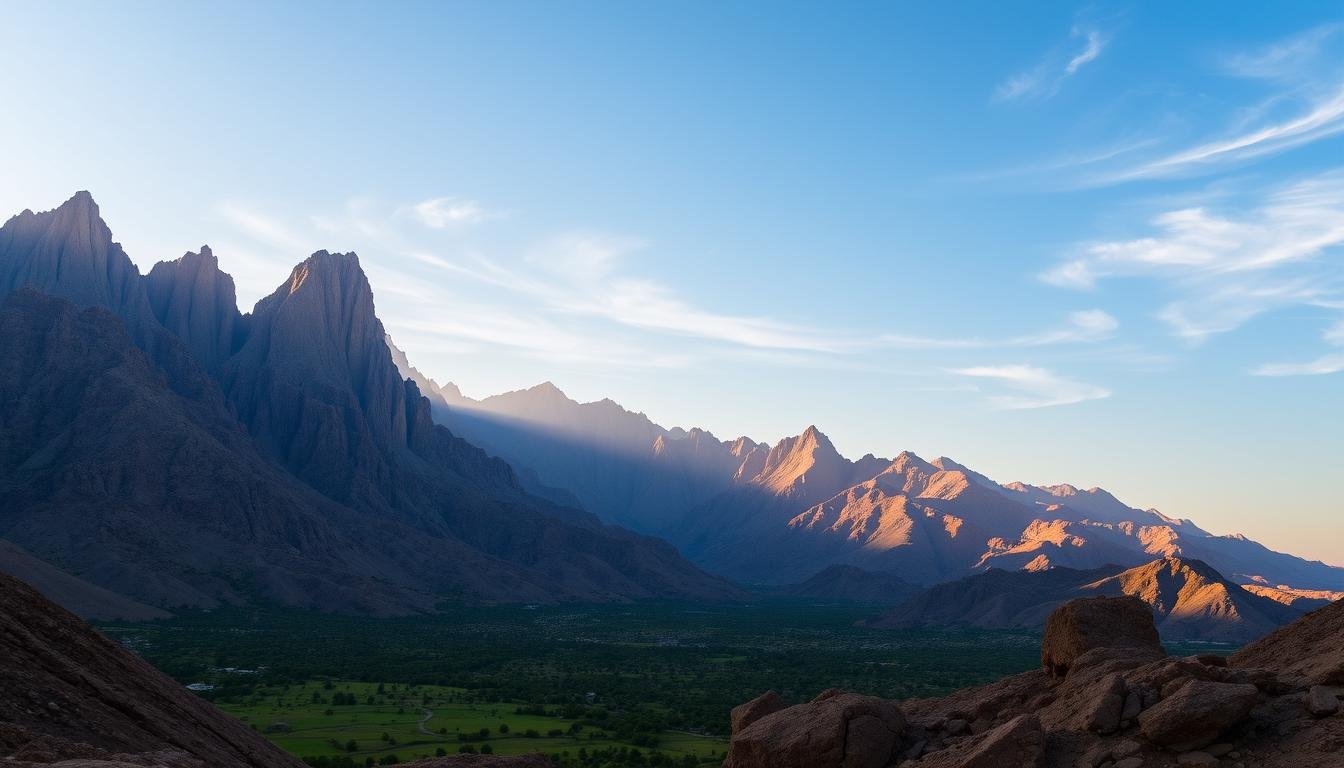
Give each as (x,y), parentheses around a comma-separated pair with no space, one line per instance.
(846,582)
(768,514)
(157,444)
(1189,600)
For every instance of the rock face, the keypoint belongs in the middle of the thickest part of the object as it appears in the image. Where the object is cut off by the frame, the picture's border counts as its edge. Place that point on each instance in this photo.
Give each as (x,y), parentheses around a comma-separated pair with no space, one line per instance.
(1188,598)
(1197,713)
(744,715)
(1309,648)
(835,730)
(194,300)
(279,456)
(1018,742)
(67,692)
(1097,622)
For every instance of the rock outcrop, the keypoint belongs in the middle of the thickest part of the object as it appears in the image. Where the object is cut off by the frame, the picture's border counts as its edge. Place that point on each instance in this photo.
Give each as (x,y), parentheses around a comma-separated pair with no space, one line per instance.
(1085,624)
(68,693)
(834,730)
(1310,648)
(1117,704)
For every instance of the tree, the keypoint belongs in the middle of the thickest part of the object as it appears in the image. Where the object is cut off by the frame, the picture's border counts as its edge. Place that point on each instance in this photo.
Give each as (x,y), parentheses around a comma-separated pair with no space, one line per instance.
(503,727)
(351,746)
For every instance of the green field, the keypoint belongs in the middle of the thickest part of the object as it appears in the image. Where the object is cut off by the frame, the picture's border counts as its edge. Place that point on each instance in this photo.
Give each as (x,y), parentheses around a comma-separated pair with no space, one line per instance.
(636,684)
(412,721)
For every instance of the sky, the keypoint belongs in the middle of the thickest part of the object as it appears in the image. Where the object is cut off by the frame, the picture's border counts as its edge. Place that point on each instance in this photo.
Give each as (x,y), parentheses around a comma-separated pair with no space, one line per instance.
(1101,245)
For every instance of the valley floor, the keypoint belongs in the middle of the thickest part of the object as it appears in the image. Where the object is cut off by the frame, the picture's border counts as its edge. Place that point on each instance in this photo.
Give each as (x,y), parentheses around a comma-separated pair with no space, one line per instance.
(648,683)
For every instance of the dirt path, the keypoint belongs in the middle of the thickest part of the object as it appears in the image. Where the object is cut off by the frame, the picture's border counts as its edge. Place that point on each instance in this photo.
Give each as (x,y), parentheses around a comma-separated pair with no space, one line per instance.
(421,725)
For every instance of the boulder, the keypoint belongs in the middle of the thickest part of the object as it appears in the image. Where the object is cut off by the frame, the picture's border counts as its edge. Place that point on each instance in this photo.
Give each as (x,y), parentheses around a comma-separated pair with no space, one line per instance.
(1321,701)
(743,715)
(1197,714)
(835,730)
(1102,713)
(1081,625)
(1020,743)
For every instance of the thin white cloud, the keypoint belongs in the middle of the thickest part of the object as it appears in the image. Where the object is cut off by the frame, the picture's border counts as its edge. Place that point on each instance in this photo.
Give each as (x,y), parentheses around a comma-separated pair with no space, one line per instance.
(1032,387)
(1047,77)
(441,212)
(1094,45)
(1286,59)
(1323,118)
(1229,267)
(1325,364)
(1307,105)
(1321,366)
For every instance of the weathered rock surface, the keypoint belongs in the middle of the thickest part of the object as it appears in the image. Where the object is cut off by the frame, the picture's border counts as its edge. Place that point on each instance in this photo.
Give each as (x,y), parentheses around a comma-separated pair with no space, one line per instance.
(835,730)
(1097,622)
(67,692)
(1322,701)
(1018,742)
(1308,648)
(196,301)
(744,715)
(1197,713)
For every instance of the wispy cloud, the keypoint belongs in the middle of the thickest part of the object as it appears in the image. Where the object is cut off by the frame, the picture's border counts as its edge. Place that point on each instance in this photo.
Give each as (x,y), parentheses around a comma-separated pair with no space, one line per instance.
(1229,267)
(1047,77)
(1307,104)
(441,212)
(1032,387)
(1321,119)
(1332,362)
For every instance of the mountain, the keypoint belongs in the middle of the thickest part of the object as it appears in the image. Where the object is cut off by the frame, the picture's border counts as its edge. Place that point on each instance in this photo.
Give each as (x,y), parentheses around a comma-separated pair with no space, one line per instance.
(761,513)
(88,601)
(301,468)
(1189,600)
(845,582)
(69,693)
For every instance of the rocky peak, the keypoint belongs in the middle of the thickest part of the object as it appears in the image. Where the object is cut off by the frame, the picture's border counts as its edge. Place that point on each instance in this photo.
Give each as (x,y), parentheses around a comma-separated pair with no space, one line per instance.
(196,301)
(316,354)
(69,252)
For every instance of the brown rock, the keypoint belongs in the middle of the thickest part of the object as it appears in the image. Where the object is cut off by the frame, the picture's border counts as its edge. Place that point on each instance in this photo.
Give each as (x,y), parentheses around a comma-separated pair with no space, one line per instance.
(841,730)
(1019,743)
(746,714)
(52,662)
(1321,701)
(1103,712)
(1081,625)
(1197,714)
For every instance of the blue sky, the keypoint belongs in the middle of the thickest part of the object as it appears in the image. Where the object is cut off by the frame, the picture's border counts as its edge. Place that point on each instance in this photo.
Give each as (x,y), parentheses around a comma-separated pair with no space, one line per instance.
(1060,243)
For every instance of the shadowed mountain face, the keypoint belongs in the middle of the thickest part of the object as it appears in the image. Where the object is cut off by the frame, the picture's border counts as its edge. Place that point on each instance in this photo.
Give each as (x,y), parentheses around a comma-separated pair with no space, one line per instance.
(277,454)
(766,514)
(1189,600)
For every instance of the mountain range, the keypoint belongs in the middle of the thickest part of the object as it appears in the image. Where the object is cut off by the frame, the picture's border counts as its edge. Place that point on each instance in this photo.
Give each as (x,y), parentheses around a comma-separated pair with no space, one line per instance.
(773,514)
(159,446)
(158,443)
(1189,600)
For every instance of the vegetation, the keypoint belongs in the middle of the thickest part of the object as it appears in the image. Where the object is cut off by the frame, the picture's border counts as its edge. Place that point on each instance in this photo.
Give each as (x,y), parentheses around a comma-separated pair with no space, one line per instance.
(595,685)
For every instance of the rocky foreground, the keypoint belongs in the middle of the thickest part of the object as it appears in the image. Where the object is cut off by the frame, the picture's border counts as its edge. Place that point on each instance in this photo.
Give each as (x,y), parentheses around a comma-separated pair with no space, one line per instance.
(1106,696)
